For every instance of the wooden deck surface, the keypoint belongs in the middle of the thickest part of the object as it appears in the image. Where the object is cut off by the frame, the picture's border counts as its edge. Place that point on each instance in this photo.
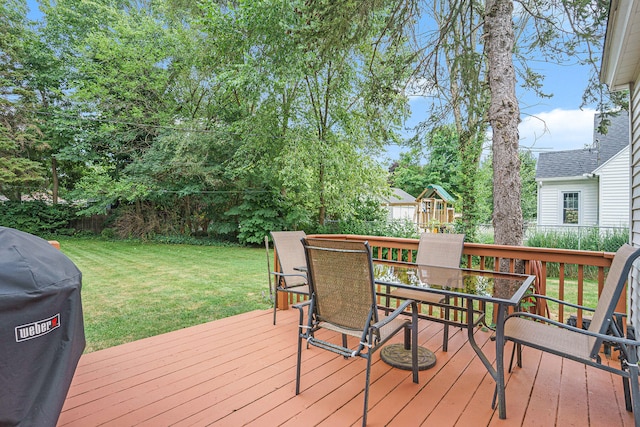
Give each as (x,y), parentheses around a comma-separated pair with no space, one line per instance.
(241,371)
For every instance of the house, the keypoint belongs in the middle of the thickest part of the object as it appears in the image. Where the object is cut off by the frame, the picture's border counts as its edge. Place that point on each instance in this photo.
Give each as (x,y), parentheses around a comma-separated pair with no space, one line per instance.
(590,186)
(401,205)
(620,71)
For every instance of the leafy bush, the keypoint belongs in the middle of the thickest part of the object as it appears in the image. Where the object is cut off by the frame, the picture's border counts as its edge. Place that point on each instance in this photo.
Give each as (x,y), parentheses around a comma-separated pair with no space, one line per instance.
(37,217)
(256,215)
(194,241)
(108,233)
(371,228)
(587,239)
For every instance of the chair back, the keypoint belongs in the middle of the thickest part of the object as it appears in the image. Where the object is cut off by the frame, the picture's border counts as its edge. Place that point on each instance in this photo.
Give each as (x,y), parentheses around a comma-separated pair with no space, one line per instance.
(440,249)
(290,254)
(341,282)
(611,292)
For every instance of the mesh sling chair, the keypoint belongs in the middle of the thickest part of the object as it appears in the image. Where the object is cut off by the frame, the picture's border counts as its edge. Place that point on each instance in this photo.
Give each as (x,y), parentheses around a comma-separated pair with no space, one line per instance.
(441,250)
(290,256)
(343,300)
(527,329)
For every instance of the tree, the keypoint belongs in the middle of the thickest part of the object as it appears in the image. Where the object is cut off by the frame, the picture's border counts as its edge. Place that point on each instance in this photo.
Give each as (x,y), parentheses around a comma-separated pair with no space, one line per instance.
(408,174)
(504,116)
(351,91)
(451,73)
(529,185)
(21,141)
(555,30)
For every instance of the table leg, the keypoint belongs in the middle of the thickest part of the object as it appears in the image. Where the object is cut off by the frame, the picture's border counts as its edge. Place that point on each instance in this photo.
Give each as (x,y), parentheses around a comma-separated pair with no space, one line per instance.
(496,373)
(500,387)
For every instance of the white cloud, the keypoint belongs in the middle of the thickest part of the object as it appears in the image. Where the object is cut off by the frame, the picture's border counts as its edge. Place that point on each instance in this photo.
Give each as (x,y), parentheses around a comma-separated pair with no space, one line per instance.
(554,130)
(557,130)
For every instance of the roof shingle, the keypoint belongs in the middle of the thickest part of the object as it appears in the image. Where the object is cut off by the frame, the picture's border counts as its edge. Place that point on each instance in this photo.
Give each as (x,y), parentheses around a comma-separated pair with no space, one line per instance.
(571,163)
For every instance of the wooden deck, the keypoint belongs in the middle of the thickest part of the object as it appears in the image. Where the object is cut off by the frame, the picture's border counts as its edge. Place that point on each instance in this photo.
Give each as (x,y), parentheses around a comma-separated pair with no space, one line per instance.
(241,371)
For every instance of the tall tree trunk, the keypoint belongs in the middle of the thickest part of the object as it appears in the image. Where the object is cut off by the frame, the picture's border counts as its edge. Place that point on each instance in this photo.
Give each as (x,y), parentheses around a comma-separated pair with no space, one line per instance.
(504,116)
(54,175)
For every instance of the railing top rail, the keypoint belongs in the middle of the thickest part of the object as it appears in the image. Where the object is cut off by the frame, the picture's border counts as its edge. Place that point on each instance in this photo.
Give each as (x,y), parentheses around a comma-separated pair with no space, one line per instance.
(408,241)
(567,256)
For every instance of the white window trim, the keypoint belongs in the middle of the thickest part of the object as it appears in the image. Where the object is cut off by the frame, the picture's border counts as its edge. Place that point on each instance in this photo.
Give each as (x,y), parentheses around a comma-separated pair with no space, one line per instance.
(561,210)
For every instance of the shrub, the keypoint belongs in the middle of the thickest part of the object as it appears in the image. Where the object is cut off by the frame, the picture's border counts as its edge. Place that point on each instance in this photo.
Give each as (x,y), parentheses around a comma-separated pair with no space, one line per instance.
(371,228)
(588,239)
(108,233)
(37,217)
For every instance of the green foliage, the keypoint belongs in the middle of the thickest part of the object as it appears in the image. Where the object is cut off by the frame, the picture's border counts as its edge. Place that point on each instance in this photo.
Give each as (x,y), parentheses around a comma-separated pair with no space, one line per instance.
(192,240)
(256,215)
(484,193)
(407,173)
(22,71)
(108,233)
(442,167)
(371,228)
(37,217)
(529,199)
(583,238)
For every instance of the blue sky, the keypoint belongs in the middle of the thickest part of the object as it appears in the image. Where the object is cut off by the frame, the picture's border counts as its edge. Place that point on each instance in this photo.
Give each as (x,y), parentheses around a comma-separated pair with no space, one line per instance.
(547,124)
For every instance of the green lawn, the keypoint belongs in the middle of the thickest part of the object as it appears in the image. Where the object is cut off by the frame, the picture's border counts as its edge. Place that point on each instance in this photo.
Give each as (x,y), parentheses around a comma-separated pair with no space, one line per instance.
(133,290)
(589,298)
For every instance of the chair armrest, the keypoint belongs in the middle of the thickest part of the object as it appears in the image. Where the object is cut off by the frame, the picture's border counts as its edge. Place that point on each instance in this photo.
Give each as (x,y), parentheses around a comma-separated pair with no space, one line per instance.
(396,313)
(276,273)
(302,304)
(609,338)
(558,301)
(390,261)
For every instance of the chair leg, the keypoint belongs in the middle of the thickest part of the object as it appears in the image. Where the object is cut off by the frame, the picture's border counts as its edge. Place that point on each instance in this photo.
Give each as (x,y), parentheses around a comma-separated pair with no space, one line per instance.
(275,304)
(300,336)
(414,345)
(445,331)
(495,397)
(626,383)
(635,391)
(366,391)
(344,343)
(513,353)
(445,339)
(387,301)
(627,394)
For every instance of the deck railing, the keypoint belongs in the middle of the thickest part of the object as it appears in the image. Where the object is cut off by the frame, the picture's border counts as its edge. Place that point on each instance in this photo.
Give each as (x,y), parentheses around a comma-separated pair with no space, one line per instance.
(574,276)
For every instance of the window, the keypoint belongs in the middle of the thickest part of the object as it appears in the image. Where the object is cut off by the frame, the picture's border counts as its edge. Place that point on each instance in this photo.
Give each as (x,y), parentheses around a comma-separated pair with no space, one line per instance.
(570,204)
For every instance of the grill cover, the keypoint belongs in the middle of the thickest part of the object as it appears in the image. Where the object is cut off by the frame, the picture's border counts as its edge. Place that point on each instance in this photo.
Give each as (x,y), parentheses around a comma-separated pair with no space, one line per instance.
(41,329)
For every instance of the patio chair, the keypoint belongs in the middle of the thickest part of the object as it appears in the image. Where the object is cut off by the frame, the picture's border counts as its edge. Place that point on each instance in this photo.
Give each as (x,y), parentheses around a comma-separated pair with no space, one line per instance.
(532,330)
(343,300)
(440,250)
(290,256)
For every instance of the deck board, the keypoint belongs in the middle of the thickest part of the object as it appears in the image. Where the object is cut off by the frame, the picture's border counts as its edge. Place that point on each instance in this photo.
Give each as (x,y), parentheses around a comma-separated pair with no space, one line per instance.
(241,371)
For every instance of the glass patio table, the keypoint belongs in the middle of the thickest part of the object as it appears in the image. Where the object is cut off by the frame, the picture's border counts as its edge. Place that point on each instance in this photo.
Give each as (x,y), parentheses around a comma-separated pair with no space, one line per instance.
(501,289)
